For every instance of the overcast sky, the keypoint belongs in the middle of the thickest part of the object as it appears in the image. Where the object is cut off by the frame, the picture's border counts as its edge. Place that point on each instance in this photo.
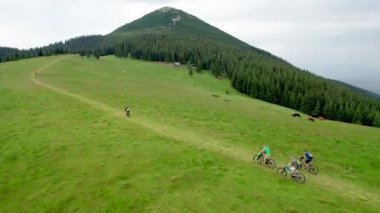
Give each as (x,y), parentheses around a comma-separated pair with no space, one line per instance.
(338,39)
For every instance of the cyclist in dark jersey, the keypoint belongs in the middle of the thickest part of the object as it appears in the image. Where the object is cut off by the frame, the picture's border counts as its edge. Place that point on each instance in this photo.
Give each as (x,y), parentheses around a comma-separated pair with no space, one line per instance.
(306,158)
(127,112)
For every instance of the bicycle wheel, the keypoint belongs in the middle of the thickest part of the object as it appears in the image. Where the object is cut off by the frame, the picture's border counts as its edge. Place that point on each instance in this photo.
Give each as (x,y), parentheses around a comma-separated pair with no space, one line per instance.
(257,159)
(271,163)
(300,178)
(313,169)
(281,172)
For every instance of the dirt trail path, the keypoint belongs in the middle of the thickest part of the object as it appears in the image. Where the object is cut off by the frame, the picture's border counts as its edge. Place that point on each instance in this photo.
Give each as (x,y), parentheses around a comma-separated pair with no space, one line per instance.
(166,131)
(343,188)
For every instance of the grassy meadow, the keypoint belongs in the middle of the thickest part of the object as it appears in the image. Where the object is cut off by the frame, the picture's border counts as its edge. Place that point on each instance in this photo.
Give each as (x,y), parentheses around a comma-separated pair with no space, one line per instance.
(66,145)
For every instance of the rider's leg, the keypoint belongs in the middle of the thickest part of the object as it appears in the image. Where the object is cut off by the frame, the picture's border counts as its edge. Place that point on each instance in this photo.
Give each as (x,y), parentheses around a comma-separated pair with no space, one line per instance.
(287,168)
(265,158)
(307,164)
(293,169)
(302,159)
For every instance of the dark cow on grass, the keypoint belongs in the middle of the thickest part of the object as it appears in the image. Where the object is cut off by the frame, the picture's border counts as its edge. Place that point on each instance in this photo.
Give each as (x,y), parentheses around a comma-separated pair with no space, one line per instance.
(296,115)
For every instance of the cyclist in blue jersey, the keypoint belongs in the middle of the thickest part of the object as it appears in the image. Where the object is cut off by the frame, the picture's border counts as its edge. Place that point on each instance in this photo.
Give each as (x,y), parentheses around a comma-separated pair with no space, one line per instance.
(306,158)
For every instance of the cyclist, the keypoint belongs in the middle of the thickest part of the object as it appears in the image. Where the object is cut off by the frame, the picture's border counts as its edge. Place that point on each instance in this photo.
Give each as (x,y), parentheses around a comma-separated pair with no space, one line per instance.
(127,112)
(292,166)
(309,157)
(266,152)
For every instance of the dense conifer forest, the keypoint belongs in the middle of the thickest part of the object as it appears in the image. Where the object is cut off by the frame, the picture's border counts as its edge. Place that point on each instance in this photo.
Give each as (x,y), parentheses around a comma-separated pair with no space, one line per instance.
(259,76)
(252,71)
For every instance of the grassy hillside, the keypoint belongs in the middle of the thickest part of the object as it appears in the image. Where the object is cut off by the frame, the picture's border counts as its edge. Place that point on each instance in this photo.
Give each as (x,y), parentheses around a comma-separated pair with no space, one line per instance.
(66,145)
(171,35)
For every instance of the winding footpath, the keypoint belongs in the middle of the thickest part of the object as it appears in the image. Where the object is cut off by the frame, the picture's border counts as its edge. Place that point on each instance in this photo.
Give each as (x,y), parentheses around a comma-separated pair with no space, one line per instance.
(345,189)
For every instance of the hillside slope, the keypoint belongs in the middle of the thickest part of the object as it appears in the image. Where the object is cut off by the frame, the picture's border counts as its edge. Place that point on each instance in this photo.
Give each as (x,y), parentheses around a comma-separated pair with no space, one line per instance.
(187,146)
(172,35)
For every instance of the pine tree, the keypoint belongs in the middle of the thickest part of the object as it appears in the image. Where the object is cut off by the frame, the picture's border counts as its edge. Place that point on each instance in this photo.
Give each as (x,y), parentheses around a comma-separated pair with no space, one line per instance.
(316,111)
(189,67)
(40,53)
(376,121)
(97,53)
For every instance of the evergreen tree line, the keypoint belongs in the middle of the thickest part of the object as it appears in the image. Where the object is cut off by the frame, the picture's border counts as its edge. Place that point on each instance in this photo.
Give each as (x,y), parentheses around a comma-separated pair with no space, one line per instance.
(252,71)
(259,75)
(84,45)
(12,54)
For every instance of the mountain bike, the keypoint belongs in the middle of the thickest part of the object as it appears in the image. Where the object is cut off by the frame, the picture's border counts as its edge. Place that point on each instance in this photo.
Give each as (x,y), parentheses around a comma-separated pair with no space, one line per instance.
(259,158)
(299,177)
(311,168)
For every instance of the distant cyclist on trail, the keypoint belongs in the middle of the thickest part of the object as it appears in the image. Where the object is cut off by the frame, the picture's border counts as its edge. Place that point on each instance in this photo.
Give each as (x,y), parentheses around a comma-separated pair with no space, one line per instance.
(127,112)
(266,152)
(306,158)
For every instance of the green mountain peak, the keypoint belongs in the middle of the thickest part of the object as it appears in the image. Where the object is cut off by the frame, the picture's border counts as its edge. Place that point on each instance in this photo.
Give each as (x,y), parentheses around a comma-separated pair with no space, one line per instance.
(168,20)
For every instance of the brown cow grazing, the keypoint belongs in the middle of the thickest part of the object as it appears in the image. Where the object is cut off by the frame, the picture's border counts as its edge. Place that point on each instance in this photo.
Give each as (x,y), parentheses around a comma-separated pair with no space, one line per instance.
(321,118)
(311,119)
